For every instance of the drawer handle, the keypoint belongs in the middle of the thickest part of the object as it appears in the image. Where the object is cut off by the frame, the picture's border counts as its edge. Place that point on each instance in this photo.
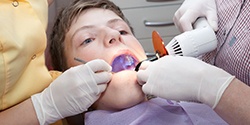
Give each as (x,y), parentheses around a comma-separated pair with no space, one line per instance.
(153,23)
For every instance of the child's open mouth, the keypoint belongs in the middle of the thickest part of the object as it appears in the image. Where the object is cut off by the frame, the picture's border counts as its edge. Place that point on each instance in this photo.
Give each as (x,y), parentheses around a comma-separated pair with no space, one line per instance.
(124,62)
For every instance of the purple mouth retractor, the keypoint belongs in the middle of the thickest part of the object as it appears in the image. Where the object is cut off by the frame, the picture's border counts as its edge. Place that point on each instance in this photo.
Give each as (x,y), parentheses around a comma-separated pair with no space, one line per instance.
(124,62)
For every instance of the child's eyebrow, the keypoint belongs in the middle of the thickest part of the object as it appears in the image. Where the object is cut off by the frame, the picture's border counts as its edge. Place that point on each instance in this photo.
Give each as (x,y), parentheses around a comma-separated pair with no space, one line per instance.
(82,28)
(115,21)
(112,21)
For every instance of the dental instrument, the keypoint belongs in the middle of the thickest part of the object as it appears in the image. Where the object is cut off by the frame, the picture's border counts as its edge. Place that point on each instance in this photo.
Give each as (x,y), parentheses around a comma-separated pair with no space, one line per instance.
(190,43)
(80,60)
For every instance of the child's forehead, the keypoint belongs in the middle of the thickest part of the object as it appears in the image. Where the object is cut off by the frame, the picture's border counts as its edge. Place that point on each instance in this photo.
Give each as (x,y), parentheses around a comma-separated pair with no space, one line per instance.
(93,19)
(97,14)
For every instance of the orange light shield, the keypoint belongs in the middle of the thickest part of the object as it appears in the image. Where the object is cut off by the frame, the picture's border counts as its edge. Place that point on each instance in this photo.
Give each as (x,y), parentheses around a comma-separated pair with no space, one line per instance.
(158,43)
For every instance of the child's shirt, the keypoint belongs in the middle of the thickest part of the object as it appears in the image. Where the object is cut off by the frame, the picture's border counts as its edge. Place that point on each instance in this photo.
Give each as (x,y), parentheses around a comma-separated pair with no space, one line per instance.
(22,44)
(157,111)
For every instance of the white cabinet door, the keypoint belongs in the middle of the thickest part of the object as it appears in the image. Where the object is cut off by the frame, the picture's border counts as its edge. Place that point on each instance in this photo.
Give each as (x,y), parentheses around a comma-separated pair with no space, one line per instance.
(148,15)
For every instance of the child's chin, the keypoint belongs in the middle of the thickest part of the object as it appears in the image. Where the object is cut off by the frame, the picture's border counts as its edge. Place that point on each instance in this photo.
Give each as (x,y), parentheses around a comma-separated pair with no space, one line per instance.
(130,104)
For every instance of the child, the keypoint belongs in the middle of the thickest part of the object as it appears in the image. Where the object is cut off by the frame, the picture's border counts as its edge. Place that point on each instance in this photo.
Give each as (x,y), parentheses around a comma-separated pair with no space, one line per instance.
(97,29)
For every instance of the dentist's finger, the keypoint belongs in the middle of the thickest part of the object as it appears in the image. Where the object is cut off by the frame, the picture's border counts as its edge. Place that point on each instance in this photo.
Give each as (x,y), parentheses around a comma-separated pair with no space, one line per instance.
(142,77)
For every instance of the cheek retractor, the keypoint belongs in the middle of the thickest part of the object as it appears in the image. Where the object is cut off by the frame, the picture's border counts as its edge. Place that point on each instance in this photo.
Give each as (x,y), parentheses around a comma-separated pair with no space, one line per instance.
(124,62)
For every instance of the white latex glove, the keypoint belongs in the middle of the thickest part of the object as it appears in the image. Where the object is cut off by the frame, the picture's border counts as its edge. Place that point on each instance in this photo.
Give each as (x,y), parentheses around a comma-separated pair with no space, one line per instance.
(73,92)
(184,79)
(190,10)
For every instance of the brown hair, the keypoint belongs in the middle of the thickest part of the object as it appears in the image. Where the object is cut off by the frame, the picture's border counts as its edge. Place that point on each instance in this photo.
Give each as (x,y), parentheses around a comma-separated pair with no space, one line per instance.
(63,23)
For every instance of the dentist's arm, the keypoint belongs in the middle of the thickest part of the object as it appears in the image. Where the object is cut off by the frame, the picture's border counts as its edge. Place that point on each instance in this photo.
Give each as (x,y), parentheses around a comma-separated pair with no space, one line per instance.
(21,114)
(234,104)
(190,79)
(71,93)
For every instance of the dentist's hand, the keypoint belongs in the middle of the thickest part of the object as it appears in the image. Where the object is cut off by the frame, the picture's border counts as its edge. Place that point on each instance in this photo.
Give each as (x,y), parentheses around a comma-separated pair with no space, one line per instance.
(73,92)
(184,79)
(190,10)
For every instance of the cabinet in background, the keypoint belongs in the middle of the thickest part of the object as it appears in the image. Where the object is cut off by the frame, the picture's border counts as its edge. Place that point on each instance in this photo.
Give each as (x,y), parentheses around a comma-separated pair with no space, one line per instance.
(148,15)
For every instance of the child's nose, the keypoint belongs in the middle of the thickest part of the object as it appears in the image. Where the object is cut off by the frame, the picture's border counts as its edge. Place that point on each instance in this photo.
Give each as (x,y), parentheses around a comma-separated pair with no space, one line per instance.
(113,37)
(112,40)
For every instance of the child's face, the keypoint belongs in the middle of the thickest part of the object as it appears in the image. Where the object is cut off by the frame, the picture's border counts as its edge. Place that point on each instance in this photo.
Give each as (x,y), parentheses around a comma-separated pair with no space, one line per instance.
(99,33)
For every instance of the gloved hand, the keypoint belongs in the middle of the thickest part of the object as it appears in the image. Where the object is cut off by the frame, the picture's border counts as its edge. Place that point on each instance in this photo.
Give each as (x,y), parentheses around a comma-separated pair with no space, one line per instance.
(184,79)
(190,10)
(73,92)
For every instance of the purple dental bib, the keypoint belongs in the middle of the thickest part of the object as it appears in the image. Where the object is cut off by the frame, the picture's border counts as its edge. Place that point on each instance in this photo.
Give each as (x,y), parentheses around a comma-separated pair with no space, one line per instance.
(123,62)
